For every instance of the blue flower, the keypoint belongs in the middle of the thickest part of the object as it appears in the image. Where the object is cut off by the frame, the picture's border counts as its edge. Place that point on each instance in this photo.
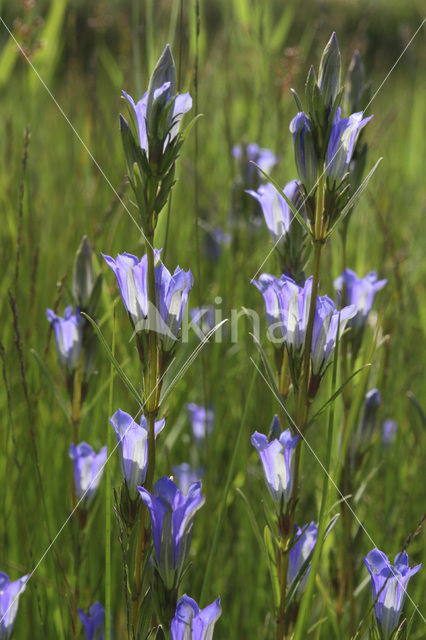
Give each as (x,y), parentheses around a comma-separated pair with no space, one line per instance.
(305,541)
(94,622)
(68,336)
(133,448)
(172,518)
(389,431)
(9,599)
(287,310)
(159,112)
(359,292)
(388,585)
(202,420)
(264,158)
(277,213)
(88,470)
(304,151)
(277,458)
(343,138)
(171,293)
(192,623)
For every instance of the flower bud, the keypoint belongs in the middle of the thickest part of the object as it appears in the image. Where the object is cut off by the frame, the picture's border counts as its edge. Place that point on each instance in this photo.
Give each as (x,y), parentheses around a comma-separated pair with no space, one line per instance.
(304,151)
(329,71)
(83,280)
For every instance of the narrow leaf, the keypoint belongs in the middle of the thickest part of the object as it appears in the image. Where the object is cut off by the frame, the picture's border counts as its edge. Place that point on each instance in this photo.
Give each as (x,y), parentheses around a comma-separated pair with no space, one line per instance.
(252,519)
(114,362)
(270,554)
(58,395)
(355,197)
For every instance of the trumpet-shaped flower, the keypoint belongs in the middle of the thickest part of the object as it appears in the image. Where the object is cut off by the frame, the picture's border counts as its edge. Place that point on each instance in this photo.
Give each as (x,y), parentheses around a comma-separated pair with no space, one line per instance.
(359,292)
(277,213)
(133,448)
(264,158)
(202,420)
(159,112)
(388,586)
(192,623)
(305,541)
(68,336)
(172,518)
(304,150)
(88,470)
(277,458)
(171,293)
(343,138)
(94,622)
(287,310)
(9,600)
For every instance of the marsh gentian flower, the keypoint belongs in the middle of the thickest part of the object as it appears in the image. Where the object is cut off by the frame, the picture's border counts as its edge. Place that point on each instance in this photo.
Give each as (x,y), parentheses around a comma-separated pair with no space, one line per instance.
(186,476)
(389,431)
(287,311)
(172,518)
(359,292)
(68,336)
(215,239)
(202,420)
(305,541)
(277,213)
(9,599)
(94,622)
(192,623)
(277,458)
(343,138)
(133,448)
(159,112)
(264,158)
(304,151)
(88,470)
(391,596)
(372,402)
(324,334)
(171,293)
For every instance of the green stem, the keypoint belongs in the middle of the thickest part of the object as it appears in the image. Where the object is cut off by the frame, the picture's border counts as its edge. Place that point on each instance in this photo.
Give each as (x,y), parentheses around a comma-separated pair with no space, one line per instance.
(108,501)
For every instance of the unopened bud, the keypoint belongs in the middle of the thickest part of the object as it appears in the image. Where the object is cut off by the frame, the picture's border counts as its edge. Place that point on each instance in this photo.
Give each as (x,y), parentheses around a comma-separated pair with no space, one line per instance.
(329,71)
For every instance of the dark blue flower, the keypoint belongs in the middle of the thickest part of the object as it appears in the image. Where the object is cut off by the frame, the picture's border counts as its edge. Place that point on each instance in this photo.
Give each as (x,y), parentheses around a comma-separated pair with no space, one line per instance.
(172,518)
(68,336)
(305,541)
(88,470)
(133,448)
(94,622)
(192,623)
(202,420)
(304,151)
(277,458)
(388,585)
(343,138)
(9,599)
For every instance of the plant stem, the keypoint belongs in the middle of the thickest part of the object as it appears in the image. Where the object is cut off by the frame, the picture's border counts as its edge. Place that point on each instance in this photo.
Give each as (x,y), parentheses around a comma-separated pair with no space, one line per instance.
(108,501)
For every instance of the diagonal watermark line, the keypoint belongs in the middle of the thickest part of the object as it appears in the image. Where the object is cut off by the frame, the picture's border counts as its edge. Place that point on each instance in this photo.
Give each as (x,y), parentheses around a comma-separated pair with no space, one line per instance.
(80,139)
(343,498)
(300,209)
(100,471)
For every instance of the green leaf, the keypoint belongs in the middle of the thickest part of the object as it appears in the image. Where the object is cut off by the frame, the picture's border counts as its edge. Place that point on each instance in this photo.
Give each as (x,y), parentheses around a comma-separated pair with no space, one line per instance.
(416,404)
(114,362)
(355,197)
(270,556)
(335,395)
(252,519)
(58,395)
